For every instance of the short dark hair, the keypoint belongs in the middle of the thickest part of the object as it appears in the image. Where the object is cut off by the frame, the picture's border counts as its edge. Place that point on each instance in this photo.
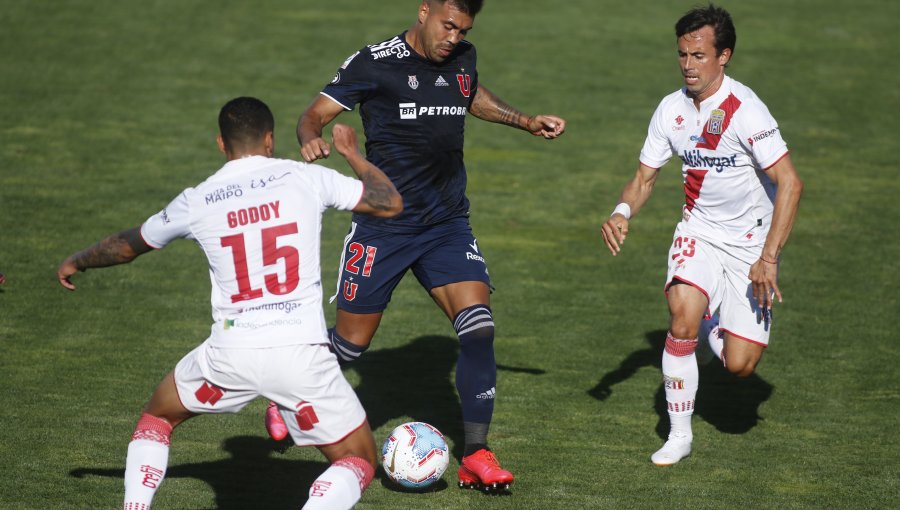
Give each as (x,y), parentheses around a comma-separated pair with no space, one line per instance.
(470,7)
(716,17)
(244,121)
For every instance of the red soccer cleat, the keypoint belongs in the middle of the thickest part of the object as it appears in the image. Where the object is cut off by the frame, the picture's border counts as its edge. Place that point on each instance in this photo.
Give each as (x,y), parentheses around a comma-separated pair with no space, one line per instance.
(482,471)
(275,425)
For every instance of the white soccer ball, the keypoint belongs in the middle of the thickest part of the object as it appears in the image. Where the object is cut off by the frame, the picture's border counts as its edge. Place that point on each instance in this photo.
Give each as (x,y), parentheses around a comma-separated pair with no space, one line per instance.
(415,455)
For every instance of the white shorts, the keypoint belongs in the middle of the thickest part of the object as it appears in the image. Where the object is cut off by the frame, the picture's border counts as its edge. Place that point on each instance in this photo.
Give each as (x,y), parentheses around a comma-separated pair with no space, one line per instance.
(721,272)
(317,403)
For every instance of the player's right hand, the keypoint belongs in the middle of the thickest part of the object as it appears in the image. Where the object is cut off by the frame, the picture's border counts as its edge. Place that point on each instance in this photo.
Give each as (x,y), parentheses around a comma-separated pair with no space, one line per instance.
(614,232)
(65,272)
(317,148)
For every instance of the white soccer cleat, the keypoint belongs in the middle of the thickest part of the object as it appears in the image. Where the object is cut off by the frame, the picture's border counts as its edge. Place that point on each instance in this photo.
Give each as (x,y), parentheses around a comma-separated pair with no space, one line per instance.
(675,449)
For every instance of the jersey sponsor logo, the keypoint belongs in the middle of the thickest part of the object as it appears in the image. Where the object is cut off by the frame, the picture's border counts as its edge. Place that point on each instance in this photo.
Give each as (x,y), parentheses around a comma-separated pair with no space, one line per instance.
(265,181)
(762,135)
(395,47)
(283,306)
(695,158)
(413,82)
(411,111)
(474,245)
(465,84)
(349,59)
(407,110)
(441,82)
(230,191)
(472,256)
(164,215)
(698,139)
(243,324)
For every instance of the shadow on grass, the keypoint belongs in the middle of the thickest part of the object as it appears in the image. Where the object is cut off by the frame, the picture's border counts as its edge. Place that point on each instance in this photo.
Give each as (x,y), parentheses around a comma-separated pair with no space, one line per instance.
(416,380)
(250,478)
(728,403)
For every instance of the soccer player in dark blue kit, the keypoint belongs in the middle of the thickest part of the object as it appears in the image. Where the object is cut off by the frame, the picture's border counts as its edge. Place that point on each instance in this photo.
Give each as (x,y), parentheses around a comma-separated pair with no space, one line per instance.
(414,91)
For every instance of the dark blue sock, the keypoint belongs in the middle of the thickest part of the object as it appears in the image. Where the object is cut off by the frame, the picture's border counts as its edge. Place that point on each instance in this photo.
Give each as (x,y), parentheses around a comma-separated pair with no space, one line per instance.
(476,370)
(345,350)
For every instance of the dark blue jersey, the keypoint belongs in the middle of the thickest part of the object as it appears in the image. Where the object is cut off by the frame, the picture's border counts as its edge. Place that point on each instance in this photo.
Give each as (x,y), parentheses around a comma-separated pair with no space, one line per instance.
(413,113)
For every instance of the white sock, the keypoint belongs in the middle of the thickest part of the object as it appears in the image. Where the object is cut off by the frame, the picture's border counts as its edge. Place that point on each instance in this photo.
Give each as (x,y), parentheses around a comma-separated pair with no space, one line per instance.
(145,466)
(681,379)
(341,485)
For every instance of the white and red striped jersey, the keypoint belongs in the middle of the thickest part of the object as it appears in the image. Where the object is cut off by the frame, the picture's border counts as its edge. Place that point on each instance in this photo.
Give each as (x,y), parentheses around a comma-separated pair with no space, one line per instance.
(725,148)
(258,220)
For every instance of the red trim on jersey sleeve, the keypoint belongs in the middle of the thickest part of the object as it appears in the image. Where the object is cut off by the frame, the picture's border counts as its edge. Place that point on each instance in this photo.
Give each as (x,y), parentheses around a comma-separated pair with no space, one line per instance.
(711,140)
(766,169)
(148,243)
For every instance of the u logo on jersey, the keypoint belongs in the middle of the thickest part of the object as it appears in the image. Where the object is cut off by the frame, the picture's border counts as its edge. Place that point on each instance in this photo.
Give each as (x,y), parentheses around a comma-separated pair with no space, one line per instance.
(465,84)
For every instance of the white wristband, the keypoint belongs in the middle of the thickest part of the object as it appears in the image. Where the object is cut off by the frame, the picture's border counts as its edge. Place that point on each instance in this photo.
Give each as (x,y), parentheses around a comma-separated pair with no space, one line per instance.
(623,209)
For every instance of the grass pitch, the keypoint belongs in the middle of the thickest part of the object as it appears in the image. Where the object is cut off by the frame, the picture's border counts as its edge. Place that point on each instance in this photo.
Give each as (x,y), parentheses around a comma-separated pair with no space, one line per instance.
(109,109)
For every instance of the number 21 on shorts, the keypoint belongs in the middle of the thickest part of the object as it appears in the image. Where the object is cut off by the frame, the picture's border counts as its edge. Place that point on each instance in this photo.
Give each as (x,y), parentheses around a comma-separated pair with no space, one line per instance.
(357,251)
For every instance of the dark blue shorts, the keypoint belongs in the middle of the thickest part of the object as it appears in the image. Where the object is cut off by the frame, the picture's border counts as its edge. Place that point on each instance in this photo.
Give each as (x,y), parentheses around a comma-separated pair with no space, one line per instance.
(373,262)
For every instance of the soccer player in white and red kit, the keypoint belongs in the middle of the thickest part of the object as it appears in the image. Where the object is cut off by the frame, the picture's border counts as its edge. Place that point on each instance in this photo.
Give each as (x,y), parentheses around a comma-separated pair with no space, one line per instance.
(741,197)
(258,221)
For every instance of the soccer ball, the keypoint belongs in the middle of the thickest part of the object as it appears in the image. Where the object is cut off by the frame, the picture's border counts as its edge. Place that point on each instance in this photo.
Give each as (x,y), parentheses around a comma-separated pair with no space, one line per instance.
(415,455)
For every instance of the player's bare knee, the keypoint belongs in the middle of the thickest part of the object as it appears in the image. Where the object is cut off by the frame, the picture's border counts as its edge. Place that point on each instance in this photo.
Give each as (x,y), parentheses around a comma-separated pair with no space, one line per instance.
(741,367)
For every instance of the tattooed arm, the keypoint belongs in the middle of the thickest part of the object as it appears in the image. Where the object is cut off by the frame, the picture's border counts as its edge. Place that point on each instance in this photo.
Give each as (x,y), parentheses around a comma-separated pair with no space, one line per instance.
(380,197)
(116,249)
(486,106)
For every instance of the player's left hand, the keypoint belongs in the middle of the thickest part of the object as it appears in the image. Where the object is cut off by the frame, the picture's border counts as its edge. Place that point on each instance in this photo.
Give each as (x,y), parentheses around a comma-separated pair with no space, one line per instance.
(764,280)
(65,272)
(548,126)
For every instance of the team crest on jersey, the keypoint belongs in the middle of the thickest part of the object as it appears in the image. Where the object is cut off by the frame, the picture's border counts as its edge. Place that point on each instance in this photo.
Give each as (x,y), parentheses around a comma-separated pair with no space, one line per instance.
(716,121)
(413,82)
(465,84)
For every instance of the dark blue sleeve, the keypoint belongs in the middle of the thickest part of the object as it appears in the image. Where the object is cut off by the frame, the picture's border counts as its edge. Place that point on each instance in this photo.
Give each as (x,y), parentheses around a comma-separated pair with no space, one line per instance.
(354,81)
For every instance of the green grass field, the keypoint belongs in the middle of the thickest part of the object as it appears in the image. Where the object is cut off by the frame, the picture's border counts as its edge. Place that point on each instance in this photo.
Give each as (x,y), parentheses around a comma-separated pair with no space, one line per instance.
(109,110)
